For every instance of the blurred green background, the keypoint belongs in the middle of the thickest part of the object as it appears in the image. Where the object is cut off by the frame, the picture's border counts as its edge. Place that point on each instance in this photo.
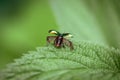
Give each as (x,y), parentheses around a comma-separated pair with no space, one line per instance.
(24,25)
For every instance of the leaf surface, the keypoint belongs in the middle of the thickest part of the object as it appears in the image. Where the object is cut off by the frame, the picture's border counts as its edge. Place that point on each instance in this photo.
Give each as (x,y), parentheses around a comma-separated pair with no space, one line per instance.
(87,61)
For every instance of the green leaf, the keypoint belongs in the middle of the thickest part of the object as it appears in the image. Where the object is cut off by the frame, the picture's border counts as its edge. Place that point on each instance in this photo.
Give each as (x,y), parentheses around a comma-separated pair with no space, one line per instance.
(91,20)
(87,61)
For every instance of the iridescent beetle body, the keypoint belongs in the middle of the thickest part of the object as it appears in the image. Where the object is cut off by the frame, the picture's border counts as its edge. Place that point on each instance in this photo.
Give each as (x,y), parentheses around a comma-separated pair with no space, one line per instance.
(59,40)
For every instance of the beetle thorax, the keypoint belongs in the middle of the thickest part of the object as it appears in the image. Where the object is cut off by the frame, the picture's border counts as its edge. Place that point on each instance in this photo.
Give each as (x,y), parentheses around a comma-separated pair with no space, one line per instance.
(58,41)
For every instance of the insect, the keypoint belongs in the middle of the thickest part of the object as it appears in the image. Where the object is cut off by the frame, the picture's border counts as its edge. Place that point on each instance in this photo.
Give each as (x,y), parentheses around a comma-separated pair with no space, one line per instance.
(60,39)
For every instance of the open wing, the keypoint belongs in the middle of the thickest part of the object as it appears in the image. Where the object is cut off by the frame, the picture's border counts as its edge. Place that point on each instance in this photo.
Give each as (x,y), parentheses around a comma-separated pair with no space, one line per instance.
(68,43)
(50,39)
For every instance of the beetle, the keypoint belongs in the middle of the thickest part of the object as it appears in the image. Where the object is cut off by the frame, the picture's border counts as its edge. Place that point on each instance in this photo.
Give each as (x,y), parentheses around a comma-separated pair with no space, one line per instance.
(60,39)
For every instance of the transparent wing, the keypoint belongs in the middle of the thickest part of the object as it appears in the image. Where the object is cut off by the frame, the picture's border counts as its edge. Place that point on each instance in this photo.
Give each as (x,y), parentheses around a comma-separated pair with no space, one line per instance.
(50,39)
(68,43)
